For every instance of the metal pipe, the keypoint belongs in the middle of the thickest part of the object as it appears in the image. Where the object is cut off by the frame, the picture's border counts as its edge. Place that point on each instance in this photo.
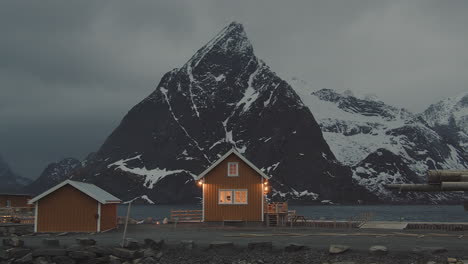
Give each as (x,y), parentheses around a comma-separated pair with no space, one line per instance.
(414,187)
(454,186)
(438,176)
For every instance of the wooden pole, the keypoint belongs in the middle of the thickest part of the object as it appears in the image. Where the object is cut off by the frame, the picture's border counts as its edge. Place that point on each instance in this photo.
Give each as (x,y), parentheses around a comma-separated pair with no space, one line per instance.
(126,223)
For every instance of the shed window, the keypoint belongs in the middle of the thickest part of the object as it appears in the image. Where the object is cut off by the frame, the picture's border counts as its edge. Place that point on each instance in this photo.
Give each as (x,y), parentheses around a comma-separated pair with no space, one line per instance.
(232,197)
(233,169)
(225,196)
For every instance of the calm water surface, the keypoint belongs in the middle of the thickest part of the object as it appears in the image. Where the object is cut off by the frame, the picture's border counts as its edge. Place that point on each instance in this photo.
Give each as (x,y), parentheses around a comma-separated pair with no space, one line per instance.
(426,213)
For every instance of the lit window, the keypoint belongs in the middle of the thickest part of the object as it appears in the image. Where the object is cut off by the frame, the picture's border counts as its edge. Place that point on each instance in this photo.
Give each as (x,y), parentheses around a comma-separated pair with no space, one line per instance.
(240,196)
(225,197)
(233,169)
(232,197)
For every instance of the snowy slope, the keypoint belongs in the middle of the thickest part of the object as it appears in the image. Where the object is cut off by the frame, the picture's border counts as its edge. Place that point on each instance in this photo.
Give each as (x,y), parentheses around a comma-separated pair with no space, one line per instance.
(382,144)
(450,118)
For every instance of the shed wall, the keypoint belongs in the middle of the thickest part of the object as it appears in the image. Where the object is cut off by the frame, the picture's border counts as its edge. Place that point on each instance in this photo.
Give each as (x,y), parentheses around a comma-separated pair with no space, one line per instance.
(108,216)
(67,210)
(248,179)
(16,200)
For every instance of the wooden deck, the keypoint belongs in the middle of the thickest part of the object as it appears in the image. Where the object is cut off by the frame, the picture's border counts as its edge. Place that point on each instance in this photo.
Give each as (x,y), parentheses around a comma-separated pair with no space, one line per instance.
(17,215)
(188,216)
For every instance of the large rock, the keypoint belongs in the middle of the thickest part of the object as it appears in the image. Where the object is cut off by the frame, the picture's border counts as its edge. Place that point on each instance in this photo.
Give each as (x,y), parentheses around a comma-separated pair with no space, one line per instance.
(13,242)
(338,249)
(221,245)
(114,260)
(17,253)
(260,245)
(156,245)
(132,244)
(49,252)
(63,260)
(79,255)
(187,244)
(26,259)
(84,241)
(125,253)
(3,254)
(429,250)
(378,250)
(100,251)
(292,247)
(51,242)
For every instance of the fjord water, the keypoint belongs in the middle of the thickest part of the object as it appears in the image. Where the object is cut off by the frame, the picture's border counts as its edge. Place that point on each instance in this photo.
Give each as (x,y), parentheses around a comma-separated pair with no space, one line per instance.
(412,213)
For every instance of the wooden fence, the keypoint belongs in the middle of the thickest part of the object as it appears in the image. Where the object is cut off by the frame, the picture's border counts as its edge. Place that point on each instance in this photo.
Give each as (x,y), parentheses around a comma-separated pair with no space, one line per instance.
(186,216)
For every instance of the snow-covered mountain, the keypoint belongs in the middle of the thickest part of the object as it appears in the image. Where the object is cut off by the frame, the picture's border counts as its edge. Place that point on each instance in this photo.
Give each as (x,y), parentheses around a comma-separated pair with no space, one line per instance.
(224,97)
(53,174)
(10,182)
(449,117)
(381,143)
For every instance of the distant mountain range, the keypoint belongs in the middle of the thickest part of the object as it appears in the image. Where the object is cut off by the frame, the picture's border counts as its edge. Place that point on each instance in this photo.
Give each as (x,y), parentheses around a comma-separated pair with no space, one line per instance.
(319,145)
(10,182)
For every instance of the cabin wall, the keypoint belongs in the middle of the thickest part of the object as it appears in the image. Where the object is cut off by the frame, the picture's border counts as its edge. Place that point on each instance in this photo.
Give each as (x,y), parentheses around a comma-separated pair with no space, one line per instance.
(217,179)
(108,216)
(15,200)
(67,210)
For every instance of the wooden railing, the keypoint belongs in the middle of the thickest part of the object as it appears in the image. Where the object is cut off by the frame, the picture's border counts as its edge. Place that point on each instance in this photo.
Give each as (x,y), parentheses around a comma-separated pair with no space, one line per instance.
(18,215)
(186,215)
(276,208)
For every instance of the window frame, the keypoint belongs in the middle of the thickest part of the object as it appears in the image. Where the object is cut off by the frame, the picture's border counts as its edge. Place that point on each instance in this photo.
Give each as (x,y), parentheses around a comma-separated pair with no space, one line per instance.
(229,171)
(233,196)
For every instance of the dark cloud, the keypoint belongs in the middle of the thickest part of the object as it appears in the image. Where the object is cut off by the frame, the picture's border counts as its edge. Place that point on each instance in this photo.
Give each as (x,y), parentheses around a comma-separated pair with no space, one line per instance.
(69,71)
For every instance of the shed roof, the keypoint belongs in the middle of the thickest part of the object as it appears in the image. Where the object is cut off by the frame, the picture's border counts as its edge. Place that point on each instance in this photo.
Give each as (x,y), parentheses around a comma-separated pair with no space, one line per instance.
(91,190)
(233,151)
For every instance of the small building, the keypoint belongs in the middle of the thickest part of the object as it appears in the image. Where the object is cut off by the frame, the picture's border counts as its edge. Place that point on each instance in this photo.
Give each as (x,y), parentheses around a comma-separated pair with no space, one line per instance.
(12,200)
(233,190)
(73,206)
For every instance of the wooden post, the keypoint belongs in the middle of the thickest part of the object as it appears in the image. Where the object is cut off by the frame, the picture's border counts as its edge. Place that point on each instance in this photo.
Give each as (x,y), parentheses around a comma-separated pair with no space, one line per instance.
(126,223)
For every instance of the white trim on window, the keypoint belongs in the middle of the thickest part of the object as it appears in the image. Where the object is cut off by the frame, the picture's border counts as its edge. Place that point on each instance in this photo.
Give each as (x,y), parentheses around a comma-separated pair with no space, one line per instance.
(237,169)
(233,196)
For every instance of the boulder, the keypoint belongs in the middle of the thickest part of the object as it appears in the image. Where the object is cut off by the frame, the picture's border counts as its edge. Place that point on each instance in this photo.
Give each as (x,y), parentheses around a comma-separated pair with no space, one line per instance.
(99,251)
(187,244)
(63,260)
(100,260)
(148,260)
(124,253)
(51,242)
(26,259)
(165,221)
(429,250)
(292,247)
(82,254)
(132,244)
(41,260)
(378,250)
(3,254)
(338,249)
(221,245)
(149,252)
(17,253)
(13,242)
(260,245)
(49,252)
(114,260)
(156,245)
(85,242)
(451,260)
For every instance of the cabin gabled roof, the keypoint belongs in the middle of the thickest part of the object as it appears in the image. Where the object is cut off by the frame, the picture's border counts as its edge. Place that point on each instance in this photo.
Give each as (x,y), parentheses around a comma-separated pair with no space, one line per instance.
(232,151)
(91,190)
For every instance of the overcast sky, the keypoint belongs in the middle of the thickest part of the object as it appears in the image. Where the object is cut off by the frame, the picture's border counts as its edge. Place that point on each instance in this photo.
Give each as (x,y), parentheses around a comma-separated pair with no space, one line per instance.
(70,70)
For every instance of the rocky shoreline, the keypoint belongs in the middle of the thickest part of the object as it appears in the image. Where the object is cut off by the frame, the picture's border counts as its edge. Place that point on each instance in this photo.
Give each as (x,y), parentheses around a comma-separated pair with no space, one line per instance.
(86,250)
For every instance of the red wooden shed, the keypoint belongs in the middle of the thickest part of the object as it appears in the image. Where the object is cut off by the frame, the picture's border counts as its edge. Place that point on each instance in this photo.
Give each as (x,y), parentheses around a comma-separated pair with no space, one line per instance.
(233,190)
(73,206)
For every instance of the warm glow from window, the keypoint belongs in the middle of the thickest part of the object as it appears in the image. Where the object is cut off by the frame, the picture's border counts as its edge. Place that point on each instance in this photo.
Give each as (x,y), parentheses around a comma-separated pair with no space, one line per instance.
(233,169)
(225,197)
(240,196)
(233,197)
